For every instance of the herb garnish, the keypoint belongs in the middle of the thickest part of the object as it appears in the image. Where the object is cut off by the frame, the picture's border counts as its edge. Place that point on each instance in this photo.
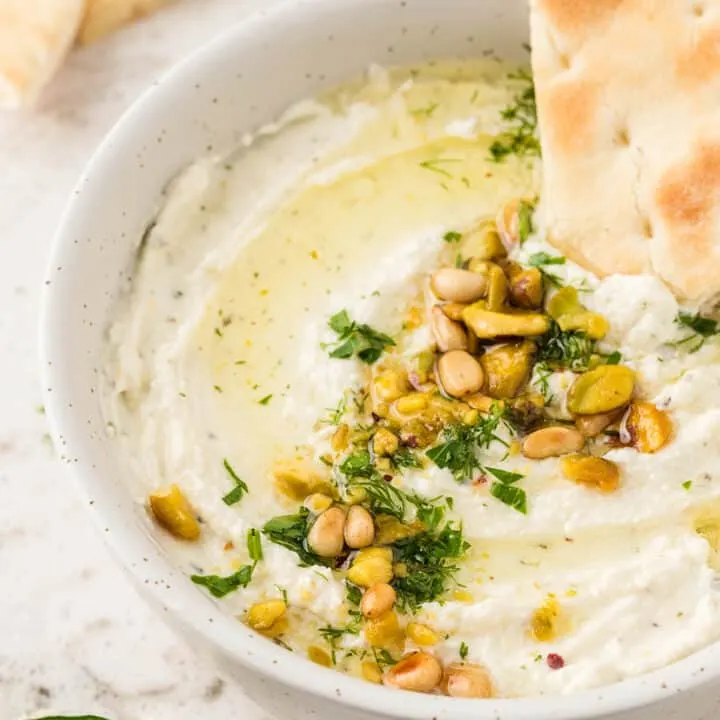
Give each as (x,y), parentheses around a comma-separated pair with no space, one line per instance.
(240,489)
(451,236)
(559,349)
(429,558)
(687,484)
(505,491)
(701,328)
(353,593)
(383,658)
(265,400)
(436,165)
(427,111)
(219,586)
(541,260)
(521,123)
(464,650)
(290,531)
(405,458)
(458,450)
(354,338)
(525,221)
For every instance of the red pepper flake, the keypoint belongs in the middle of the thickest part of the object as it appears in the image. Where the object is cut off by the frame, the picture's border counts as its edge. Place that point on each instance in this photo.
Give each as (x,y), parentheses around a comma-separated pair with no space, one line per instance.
(480,480)
(411,441)
(387,478)
(555,661)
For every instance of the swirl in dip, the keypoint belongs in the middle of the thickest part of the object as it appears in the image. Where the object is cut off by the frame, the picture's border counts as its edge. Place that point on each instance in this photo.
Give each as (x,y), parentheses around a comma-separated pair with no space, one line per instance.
(373,411)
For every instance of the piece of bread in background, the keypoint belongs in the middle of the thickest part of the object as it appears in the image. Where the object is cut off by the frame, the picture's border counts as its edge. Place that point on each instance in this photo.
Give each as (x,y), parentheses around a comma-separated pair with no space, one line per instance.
(628,98)
(104,16)
(35,36)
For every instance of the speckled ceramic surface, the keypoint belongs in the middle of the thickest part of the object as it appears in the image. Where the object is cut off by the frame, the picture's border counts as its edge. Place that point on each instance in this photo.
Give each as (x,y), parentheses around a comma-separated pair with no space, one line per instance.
(245,78)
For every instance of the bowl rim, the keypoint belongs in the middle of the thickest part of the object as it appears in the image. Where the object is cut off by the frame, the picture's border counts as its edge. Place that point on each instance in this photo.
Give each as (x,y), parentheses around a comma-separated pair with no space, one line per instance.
(144,560)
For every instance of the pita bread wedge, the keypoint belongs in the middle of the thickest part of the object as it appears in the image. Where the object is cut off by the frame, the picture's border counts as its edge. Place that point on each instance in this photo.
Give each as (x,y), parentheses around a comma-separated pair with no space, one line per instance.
(104,16)
(628,95)
(34,38)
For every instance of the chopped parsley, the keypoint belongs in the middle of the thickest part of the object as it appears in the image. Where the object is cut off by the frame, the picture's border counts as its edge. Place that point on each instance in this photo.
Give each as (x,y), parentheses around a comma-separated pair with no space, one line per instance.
(614,358)
(464,650)
(265,400)
(221,586)
(383,658)
(240,489)
(458,450)
(335,415)
(451,236)
(290,531)
(356,339)
(427,111)
(520,121)
(687,484)
(429,558)
(701,328)
(510,494)
(254,545)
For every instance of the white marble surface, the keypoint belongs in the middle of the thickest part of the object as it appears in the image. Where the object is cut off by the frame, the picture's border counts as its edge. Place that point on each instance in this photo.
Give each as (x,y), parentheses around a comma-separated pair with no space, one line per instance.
(74,635)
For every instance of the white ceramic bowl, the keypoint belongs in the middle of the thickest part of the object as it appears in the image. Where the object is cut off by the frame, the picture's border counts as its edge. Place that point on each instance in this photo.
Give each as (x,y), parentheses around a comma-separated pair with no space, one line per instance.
(238,82)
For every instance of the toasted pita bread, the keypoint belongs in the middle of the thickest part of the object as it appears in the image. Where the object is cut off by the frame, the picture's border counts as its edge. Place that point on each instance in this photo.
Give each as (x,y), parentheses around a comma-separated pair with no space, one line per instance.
(34,38)
(628,95)
(104,16)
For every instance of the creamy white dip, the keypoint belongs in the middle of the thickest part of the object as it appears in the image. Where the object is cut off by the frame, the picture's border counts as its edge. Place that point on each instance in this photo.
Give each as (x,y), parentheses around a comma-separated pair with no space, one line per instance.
(217,353)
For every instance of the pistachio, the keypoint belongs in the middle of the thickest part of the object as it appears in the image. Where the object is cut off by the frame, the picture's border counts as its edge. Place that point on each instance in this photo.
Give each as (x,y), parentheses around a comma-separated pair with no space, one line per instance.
(592,425)
(319,656)
(497,288)
(467,680)
(480,402)
(326,535)
(483,243)
(385,632)
(389,529)
(340,438)
(412,403)
(595,472)
(569,313)
(487,324)
(359,528)
(552,442)
(453,310)
(419,672)
(317,503)
(371,566)
(263,615)
(449,335)
(173,512)
(377,600)
(457,285)
(601,390)
(390,385)
(526,288)
(460,373)
(421,634)
(507,368)
(649,427)
(385,442)
(298,479)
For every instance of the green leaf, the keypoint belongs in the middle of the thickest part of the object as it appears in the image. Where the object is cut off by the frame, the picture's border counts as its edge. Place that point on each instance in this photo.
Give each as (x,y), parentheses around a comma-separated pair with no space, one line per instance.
(265,400)
(614,358)
(220,586)
(511,495)
(525,226)
(451,236)
(504,476)
(254,545)
(687,484)
(358,464)
(464,650)
(240,489)
(370,355)
(539,259)
(345,349)
(353,593)
(340,322)
(701,328)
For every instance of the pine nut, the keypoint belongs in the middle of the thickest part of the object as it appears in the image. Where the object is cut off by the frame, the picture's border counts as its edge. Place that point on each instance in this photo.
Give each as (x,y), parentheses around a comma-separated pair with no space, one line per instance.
(359,528)
(419,672)
(326,535)
(377,600)
(467,680)
(552,442)
(460,373)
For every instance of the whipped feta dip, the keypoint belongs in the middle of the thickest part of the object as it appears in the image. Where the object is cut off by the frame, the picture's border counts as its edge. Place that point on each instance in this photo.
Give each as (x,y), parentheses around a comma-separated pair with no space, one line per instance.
(219,366)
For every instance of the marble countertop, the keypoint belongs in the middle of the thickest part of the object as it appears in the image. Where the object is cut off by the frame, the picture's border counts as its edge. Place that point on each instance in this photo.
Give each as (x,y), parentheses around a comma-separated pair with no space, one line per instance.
(75,637)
